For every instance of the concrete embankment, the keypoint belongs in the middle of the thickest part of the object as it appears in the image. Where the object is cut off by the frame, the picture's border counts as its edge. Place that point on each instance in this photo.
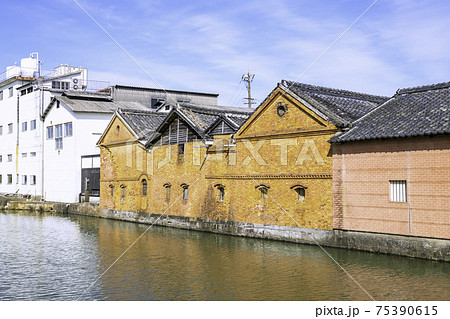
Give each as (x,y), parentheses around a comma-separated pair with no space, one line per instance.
(427,248)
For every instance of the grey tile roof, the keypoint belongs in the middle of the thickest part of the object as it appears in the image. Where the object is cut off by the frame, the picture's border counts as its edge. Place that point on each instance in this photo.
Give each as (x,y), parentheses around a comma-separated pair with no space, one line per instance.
(202,117)
(97,105)
(341,107)
(423,110)
(205,116)
(143,123)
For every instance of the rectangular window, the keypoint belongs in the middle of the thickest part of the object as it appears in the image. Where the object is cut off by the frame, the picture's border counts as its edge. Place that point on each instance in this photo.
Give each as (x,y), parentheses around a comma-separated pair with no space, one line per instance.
(32,154)
(398,191)
(10,128)
(30,89)
(1,179)
(60,85)
(32,125)
(58,137)
(112,190)
(1,158)
(49,132)
(56,85)
(11,92)
(24,179)
(1,129)
(24,126)
(23,92)
(32,179)
(68,129)
(1,95)
(9,178)
(24,154)
(181,152)
(9,157)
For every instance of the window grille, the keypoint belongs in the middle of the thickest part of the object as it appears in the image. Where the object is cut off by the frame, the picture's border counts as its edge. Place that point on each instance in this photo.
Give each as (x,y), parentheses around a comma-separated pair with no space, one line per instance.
(398,191)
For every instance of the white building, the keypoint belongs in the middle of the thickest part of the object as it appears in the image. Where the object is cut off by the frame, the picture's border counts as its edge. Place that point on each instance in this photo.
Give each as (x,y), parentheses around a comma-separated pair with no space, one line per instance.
(73,123)
(25,90)
(50,123)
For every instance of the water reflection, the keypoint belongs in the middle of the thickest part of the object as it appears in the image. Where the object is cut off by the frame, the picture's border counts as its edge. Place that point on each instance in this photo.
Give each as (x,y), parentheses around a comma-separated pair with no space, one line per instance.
(58,257)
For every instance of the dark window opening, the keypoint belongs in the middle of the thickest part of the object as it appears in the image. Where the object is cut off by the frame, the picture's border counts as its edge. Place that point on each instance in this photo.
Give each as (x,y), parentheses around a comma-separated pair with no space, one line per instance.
(144,187)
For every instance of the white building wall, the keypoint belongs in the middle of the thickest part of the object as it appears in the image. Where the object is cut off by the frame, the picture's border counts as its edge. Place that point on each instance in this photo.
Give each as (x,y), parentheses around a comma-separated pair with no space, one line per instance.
(62,168)
(8,116)
(30,142)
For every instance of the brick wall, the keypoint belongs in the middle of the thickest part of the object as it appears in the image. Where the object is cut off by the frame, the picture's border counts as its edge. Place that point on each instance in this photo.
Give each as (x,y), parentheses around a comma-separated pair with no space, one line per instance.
(361,175)
(291,150)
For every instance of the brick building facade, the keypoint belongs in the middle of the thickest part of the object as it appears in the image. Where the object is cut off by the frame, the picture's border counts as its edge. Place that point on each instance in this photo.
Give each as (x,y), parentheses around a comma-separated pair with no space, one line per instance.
(391,170)
(271,166)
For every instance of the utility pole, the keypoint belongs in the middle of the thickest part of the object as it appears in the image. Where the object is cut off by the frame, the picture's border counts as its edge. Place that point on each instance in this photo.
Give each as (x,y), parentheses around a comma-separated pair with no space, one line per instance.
(248,78)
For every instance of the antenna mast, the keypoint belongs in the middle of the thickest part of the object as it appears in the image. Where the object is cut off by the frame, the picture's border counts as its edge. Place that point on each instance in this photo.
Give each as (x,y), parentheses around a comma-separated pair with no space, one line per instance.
(249,78)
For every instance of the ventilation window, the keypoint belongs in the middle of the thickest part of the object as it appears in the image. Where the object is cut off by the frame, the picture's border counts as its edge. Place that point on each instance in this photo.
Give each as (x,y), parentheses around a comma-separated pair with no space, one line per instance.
(144,187)
(185,188)
(398,191)
(281,109)
(300,192)
(167,186)
(264,193)
(221,190)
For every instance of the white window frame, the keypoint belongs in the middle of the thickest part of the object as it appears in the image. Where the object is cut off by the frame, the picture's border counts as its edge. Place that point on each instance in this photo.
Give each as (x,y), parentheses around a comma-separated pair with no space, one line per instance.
(50,132)
(59,137)
(398,191)
(32,125)
(68,129)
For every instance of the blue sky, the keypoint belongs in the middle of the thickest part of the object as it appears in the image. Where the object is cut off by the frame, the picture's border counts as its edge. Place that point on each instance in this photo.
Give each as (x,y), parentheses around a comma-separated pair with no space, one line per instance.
(207,45)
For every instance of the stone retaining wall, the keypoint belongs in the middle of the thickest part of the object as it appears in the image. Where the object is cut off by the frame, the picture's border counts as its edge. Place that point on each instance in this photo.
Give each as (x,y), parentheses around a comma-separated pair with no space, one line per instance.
(418,247)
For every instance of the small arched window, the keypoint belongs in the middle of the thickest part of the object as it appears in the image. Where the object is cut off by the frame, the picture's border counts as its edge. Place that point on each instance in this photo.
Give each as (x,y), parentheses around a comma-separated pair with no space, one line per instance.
(167,186)
(144,187)
(300,191)
(264,193)
(221,190)
(185,188)
(123,190)
(112,189)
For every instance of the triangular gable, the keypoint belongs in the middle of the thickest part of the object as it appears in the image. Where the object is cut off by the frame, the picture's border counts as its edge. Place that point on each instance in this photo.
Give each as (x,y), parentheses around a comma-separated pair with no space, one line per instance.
(117,132)
(282,114)
(221,126)
(52,103)
(174,115)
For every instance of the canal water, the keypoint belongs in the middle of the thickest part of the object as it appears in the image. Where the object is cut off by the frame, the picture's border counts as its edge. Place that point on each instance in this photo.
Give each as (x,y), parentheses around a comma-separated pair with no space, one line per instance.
(61,257)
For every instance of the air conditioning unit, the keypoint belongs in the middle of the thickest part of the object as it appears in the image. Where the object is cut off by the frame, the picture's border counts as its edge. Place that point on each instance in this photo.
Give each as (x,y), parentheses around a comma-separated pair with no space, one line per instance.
(76,84)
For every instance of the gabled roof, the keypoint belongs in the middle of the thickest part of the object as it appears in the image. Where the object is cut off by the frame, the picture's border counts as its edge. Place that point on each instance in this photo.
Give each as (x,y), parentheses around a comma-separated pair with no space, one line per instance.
(92,103)
(223,118)
(418,111)
(142,123)
(341,107)
(200,118)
